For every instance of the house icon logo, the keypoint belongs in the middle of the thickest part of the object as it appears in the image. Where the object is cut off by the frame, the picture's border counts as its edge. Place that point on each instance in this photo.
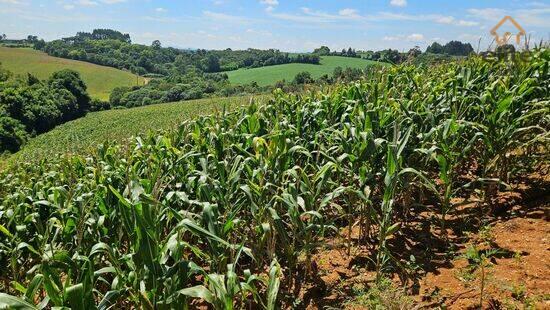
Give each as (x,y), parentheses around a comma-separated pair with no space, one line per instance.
(503,39)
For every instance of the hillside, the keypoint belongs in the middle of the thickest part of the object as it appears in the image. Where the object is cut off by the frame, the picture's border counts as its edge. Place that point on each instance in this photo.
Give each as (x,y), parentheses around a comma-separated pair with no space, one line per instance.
(392,192)
(99,79)
(80,135)
(270,75)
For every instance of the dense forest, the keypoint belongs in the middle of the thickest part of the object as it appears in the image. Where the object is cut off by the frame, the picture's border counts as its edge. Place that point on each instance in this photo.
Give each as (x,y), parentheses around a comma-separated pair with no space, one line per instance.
(30,106)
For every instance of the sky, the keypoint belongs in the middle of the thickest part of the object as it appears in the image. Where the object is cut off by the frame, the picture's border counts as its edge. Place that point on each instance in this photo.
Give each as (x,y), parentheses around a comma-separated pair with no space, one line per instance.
(287,25)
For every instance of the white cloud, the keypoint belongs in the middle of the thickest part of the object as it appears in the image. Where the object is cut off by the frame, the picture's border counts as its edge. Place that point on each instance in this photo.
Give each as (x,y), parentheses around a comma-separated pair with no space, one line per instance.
(11,1)
(491,14)
(68,7)
(112,1)
(161,19)
(415,37)
(391,38)
(271,5)
(318,17)
(538,15)
(87,3)
(259,32)
(440,19)
(445,19)
(226,17)
(399,3)
(270,2)
(467,23)
(351,13)
(160,10)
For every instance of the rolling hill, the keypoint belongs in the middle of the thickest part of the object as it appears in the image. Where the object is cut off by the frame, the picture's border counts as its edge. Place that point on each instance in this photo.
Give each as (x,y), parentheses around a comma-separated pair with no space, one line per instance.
(100,79)
(84,134)
(271,74)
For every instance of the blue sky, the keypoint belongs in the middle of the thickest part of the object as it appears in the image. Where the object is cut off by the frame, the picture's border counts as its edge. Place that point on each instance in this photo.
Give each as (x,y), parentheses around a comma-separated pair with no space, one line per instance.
(289,25)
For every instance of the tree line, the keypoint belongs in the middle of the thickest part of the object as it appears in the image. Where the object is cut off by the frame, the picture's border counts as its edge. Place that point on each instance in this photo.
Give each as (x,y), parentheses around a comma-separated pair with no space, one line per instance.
(453,48)
(325,51)
(114,49)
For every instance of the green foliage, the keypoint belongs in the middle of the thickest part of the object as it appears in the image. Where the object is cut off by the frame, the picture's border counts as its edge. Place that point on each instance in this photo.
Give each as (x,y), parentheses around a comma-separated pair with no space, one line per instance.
(383,296)
(322,51)
(36,107)
(453,48)
(389,56)
(12,134)
(201,211)
(4,74)
(303,78)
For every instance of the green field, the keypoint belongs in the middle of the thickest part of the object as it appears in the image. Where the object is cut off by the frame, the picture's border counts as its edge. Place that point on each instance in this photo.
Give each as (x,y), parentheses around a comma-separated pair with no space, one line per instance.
(84,134)
(99,79)
(270,75)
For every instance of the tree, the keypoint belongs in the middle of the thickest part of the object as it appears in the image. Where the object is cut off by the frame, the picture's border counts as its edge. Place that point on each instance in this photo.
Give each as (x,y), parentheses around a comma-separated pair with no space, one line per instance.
(156,44)
(4,74)
(435,48)
(3,37)
(115,98)
(457,48)
(101,34)
(211,64)
(71,81)
(414,52)
(32,39)
(31,79)
(337,73)
(12,134)
(303,78)
(39,45)
(322,51)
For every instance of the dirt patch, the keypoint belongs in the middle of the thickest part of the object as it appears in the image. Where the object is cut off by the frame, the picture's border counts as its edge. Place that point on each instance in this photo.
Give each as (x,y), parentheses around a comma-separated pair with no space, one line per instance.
(516,277)
(513,236)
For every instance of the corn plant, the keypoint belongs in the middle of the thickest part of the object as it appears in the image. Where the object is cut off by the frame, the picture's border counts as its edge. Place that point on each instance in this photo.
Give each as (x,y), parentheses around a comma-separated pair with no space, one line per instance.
(219,208)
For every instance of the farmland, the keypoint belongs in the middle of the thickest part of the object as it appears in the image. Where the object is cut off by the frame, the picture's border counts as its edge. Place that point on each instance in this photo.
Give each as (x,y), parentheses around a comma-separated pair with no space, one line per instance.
(355,197)
(82,135)
(99,79)
(271,74)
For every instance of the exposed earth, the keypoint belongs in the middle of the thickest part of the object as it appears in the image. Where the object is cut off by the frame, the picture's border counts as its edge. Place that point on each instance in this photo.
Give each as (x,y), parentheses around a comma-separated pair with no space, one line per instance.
(515,272)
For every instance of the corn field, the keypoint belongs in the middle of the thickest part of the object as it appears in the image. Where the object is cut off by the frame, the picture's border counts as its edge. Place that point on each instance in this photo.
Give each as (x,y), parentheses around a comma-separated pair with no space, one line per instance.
(226,211)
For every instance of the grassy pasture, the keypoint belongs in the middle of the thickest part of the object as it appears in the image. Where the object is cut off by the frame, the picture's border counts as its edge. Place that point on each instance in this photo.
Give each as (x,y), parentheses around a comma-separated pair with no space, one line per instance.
(100,79)
(271,74)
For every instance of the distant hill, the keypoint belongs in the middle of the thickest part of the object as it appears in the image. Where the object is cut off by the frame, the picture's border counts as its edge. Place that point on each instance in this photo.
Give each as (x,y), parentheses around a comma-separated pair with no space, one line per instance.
(270,75)
(99,79)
